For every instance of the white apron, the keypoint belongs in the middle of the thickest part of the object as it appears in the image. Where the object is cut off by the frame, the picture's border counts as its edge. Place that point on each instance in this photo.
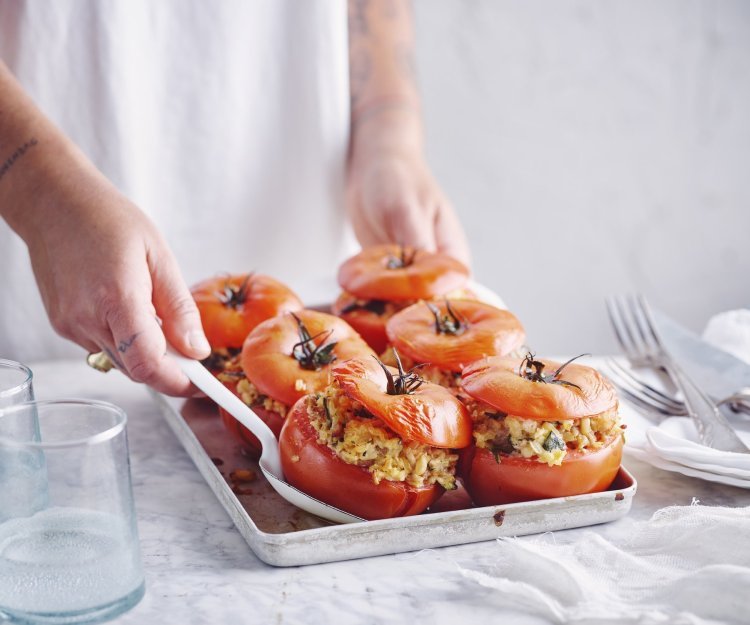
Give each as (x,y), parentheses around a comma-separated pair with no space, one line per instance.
(227,122)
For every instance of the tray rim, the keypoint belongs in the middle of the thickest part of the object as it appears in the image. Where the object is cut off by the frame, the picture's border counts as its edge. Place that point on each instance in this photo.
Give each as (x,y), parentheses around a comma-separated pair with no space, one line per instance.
(257,538)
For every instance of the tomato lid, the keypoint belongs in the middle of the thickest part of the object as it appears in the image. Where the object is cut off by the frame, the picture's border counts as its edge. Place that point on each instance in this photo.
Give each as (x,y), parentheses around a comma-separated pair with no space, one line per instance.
(577,391)
(391,272)
(453,333)
(423,412)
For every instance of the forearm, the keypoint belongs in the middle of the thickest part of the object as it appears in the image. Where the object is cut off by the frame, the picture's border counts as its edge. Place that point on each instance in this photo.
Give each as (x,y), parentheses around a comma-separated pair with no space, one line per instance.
(34,156)
(385,107)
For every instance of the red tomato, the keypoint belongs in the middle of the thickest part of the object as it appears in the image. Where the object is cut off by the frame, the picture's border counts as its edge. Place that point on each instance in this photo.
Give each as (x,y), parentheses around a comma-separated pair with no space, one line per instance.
(454,333)
(515,478)
(391,272)
(231,306)
(272,419)
(369,322)
(269,362)
(315,469)
(584,392)
(541,390)
(430,414)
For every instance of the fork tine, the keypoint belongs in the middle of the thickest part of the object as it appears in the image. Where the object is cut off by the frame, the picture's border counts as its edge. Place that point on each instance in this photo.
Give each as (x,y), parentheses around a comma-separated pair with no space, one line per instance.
(649,320)
(640,327)
(635,395)
(639,402)
(622,331)
(654,394)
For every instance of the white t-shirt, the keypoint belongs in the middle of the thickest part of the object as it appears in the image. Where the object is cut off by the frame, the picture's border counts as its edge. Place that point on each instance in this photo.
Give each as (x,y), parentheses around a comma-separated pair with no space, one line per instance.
(227,122)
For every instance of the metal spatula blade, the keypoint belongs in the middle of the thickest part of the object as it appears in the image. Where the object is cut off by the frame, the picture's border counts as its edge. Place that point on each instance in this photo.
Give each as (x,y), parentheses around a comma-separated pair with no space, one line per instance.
(270,461)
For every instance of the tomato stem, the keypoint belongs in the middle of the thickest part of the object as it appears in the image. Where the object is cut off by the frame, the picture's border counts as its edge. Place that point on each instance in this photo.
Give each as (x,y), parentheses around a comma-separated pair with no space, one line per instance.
(451,323)
(309,355)
(405,382)
(235,296)
(404,260)
(533,370)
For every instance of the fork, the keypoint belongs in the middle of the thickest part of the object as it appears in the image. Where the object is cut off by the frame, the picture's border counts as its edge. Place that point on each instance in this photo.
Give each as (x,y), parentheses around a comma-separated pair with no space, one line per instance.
(629,344)
(642,393)
(654,399)
(635,329)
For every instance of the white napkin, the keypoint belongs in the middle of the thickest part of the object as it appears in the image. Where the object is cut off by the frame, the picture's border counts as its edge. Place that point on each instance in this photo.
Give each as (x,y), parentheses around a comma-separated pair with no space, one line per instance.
(730,331)
(686,565)
(673,444)
(676,439)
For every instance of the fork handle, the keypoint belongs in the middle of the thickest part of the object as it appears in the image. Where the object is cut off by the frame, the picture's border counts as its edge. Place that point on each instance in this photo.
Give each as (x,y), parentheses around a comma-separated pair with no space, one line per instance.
(713,428)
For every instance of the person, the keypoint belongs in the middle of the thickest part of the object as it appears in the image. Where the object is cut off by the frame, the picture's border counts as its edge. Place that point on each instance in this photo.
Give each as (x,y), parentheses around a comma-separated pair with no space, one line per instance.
(142,142)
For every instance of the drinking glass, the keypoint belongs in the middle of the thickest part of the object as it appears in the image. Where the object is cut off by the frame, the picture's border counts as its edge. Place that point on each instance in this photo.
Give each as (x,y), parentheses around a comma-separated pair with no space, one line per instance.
(15,383)
(70,554)
(16,387)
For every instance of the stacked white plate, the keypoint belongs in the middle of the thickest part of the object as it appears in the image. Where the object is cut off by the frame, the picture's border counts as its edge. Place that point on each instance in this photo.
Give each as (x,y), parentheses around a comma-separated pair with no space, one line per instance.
(673,445)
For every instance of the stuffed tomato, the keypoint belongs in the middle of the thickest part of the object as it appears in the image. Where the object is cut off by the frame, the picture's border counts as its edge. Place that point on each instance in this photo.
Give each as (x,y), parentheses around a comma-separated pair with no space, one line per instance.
(383,279)
(376,442)
(285,358)
(444,337)
(541,429)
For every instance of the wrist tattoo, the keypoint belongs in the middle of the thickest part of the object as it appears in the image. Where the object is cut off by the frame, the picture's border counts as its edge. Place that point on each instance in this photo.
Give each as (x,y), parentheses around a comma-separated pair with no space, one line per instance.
(19,152)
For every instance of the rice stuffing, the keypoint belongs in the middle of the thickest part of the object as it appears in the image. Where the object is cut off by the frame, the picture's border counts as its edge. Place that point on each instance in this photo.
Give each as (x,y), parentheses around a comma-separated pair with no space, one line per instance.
(359,438)
(545,441)
(231,372)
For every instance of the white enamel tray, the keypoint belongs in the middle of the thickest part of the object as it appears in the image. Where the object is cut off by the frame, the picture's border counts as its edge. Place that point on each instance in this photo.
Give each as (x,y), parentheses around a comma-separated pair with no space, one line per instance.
(283,535)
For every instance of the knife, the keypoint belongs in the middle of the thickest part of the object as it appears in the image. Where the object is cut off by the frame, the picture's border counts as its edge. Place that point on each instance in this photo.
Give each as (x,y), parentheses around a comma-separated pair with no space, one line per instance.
(717,372)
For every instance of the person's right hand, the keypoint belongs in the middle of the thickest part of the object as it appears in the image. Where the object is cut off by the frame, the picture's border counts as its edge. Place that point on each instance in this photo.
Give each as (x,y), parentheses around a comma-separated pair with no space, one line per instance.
(109,282)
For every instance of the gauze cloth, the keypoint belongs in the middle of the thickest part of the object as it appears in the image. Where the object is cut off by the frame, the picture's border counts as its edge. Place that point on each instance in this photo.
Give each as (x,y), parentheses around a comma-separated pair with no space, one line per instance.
(686,565)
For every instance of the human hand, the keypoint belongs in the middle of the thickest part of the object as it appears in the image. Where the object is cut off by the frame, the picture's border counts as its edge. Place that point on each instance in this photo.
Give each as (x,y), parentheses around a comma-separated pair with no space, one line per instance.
(392,197)
(108,280)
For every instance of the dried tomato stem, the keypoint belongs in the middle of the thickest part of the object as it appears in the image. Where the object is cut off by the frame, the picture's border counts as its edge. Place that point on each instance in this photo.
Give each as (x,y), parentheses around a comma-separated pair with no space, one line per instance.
(309,355)
(450,323)
(533,370)
(402,261)
(405,382)
(235,296)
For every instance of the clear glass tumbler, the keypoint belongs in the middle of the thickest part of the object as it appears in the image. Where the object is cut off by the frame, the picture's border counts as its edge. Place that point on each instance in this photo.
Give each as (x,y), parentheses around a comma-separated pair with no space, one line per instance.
(15,388)
(15,383)
(70,554)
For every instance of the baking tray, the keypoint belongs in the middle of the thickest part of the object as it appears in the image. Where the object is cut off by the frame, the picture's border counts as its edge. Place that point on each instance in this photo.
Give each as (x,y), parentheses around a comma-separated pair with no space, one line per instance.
(282,535)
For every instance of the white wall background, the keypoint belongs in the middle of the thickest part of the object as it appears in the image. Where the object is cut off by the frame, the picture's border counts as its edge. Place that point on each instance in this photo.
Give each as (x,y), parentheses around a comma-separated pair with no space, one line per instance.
(594,147)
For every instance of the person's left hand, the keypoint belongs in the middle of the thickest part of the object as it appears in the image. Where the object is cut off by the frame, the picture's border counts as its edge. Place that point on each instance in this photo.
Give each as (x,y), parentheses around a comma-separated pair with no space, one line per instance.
(393,198)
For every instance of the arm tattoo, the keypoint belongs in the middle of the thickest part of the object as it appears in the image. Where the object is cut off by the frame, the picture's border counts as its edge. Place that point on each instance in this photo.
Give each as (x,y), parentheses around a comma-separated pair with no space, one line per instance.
(358,24)
(20,151)
(360,70)
(389,9)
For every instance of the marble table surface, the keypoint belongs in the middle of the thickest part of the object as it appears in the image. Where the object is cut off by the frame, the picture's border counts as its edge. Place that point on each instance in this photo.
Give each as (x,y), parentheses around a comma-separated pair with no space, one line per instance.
(200,570)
